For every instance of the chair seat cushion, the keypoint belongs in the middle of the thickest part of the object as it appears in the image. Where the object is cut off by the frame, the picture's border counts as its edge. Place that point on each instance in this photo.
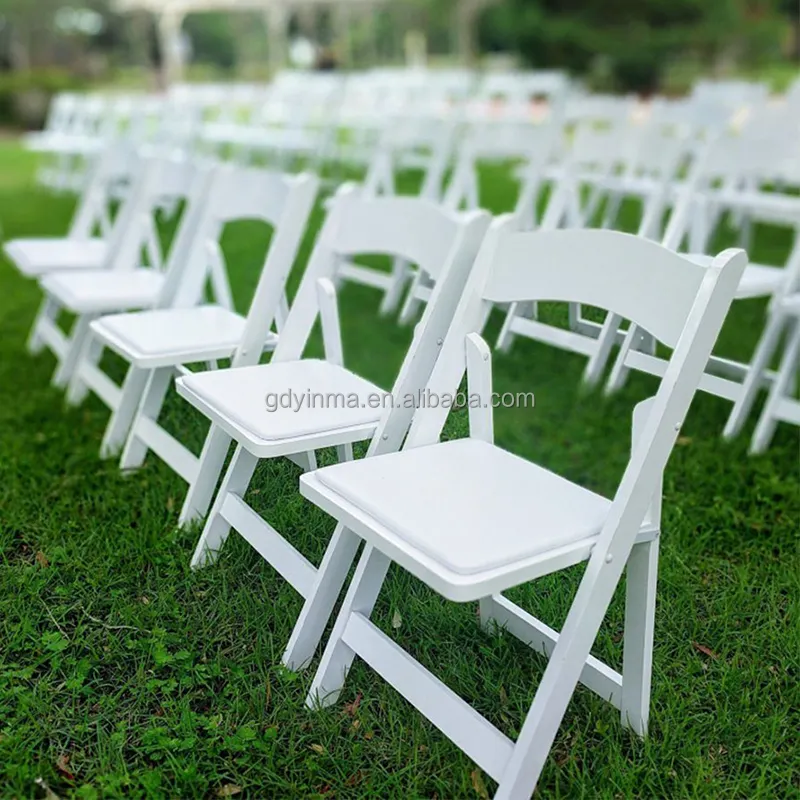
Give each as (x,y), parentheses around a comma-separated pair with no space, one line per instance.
(173,335)
(758,280)
(104,291)
(35,257)
(469,505)
(317,397)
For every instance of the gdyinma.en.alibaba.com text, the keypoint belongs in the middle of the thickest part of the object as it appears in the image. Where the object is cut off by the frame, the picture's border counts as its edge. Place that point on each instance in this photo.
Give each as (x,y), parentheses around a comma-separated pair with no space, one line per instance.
(309,400)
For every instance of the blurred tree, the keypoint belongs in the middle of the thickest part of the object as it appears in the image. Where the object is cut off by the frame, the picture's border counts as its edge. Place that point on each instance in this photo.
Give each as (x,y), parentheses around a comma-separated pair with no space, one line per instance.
(637,37)
(52,33)
(791,8)
(212,38)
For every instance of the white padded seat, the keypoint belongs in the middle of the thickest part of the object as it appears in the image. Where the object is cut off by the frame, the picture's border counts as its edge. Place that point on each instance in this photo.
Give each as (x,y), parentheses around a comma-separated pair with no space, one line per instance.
(104,291)
(170,336)
(237,400)
(466,506)
(35,257)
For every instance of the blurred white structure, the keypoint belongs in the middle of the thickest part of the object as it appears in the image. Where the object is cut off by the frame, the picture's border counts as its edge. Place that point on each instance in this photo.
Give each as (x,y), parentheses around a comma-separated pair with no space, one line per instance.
(170,15)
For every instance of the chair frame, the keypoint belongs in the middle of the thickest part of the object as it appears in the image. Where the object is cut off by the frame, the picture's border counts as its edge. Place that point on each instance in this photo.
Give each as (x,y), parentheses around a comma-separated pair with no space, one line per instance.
(394,226)
(401,145)
(691,325)
(725,378)
(135,233)
(283,202)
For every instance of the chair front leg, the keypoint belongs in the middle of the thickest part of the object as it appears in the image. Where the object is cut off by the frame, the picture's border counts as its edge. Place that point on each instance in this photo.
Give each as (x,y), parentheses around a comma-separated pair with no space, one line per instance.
(755,374)
(391,299)
(619,372)
(506,336)
(360,599)
(412,303)
(217,528)
(560,679)
(640,610)
(152,400)
(605,342)
(90,356)
(75,344)
(781,386)
(116,432)
(47,313)
(324,593)
(201,490)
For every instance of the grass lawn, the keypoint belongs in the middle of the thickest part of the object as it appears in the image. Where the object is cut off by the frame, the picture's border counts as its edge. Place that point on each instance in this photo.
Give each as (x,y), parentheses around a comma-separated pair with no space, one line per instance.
(124,673)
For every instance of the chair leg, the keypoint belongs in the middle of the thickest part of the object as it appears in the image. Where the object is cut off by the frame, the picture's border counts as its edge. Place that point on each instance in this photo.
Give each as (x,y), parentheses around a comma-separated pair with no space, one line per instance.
(506,336)
(412,303)
(612,211)
(560,678)
(391,298)
(784,380)
(637,660)
(599,358)
(217,528)
(135,450)
(619,372)
(122,416)
(318,607)
(338,657)
(90,355)
(306,461)
(47,313)
(75,344)
(485,615)
(755,372)
(201,491)
(344,452)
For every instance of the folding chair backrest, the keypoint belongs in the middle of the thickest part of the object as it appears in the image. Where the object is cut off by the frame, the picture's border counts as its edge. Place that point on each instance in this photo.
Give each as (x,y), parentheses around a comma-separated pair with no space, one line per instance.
(284,202)
(161,180)
(422,142)
(440,242)
(117,164)
(494,141)
(679,302)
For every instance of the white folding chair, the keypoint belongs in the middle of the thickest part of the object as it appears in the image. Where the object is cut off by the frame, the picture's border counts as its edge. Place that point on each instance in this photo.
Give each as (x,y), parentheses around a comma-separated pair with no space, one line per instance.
(92,235)
(422,143)
(648,178)
(716,188)
(472,520)
(127,283)
(338,407)
(69,150)
(783,404)
(532,147)
(182,329)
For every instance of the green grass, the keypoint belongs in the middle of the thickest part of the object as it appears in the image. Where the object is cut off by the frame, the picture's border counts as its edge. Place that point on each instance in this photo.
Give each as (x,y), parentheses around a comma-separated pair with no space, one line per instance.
(123,673)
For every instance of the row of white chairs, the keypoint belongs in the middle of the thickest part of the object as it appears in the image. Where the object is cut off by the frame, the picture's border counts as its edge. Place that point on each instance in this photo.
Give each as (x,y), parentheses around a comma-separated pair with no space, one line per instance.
(466,517)
(663,160)
(700,176)
(304,113)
